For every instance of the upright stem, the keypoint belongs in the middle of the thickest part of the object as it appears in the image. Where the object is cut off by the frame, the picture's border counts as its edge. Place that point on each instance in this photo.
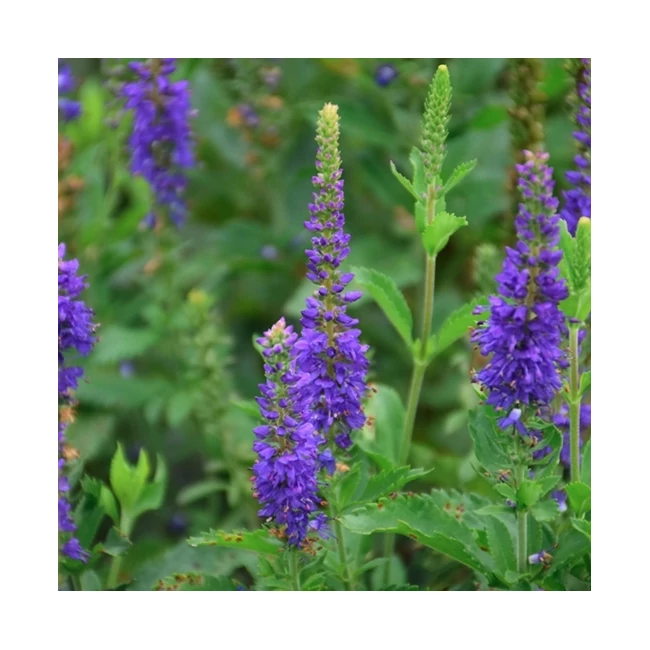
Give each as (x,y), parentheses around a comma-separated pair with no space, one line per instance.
(419,361)
(419,368)
(574,403)
(295,571)
(347,575)
(522,526)
(125,526)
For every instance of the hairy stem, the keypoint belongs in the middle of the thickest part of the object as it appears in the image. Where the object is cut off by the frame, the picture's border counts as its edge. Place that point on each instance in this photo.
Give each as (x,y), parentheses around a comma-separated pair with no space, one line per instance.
(574,403)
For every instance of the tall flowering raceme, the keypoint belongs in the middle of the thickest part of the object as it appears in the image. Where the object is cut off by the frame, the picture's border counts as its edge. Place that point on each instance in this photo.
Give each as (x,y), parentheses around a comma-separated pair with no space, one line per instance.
(161,144)
(577,200)
(285,473)
(524,331)
(329,358)
(76,331)
(70,109)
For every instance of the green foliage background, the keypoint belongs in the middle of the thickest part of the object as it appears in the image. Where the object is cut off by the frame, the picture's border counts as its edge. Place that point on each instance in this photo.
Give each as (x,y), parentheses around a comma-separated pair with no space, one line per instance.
(175,369)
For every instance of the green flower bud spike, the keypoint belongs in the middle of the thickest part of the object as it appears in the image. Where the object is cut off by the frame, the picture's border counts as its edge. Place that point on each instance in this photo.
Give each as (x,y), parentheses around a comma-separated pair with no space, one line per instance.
(434,125)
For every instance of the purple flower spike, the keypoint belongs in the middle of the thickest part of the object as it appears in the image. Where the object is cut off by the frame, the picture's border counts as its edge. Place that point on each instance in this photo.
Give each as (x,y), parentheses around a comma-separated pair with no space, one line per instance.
(285,472)
(577,200)
(524,330)
(76,333)
(161,144)
(329,358)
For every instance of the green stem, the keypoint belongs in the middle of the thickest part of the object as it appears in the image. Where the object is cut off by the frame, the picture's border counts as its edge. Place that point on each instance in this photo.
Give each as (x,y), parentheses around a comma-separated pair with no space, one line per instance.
(113,577)
(522,526)
(295,571)
(574,403)
(347,575)
(76,583)
(419,368)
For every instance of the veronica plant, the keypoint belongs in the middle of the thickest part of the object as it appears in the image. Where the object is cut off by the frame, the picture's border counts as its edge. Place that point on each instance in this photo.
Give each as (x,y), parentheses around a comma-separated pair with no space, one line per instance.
(327,481)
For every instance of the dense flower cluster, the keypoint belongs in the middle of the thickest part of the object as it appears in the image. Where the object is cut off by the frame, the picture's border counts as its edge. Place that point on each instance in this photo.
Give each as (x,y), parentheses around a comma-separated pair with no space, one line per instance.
(329,358)
(523,334)
(577,200)
(161,143)
(285,473)
(70,109)
(76,331)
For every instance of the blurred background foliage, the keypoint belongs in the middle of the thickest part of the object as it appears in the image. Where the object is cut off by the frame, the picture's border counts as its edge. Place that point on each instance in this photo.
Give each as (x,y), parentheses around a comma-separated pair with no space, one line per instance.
(175,370)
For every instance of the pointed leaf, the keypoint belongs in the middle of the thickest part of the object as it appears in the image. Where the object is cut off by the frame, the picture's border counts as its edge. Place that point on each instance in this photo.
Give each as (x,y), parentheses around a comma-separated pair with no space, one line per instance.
(127,481)
(437,234)
(422,519)
(454,328)
(458,174)
(579,495)
(405,182)
(419,179)
(389,298)
(501,545)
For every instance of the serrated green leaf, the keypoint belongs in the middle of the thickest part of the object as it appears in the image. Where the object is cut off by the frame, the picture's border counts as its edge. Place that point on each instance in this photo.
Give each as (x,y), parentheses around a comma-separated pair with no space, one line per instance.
(454,328)
(389,481)
(547,483)
(487,439)
(391,300)
(579,495)
(405,182)
(421,518)
(258,541)
(501,545)
(200,490)
(545,510)
(458,174)
(182,558)
(529,493)
(437,234)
